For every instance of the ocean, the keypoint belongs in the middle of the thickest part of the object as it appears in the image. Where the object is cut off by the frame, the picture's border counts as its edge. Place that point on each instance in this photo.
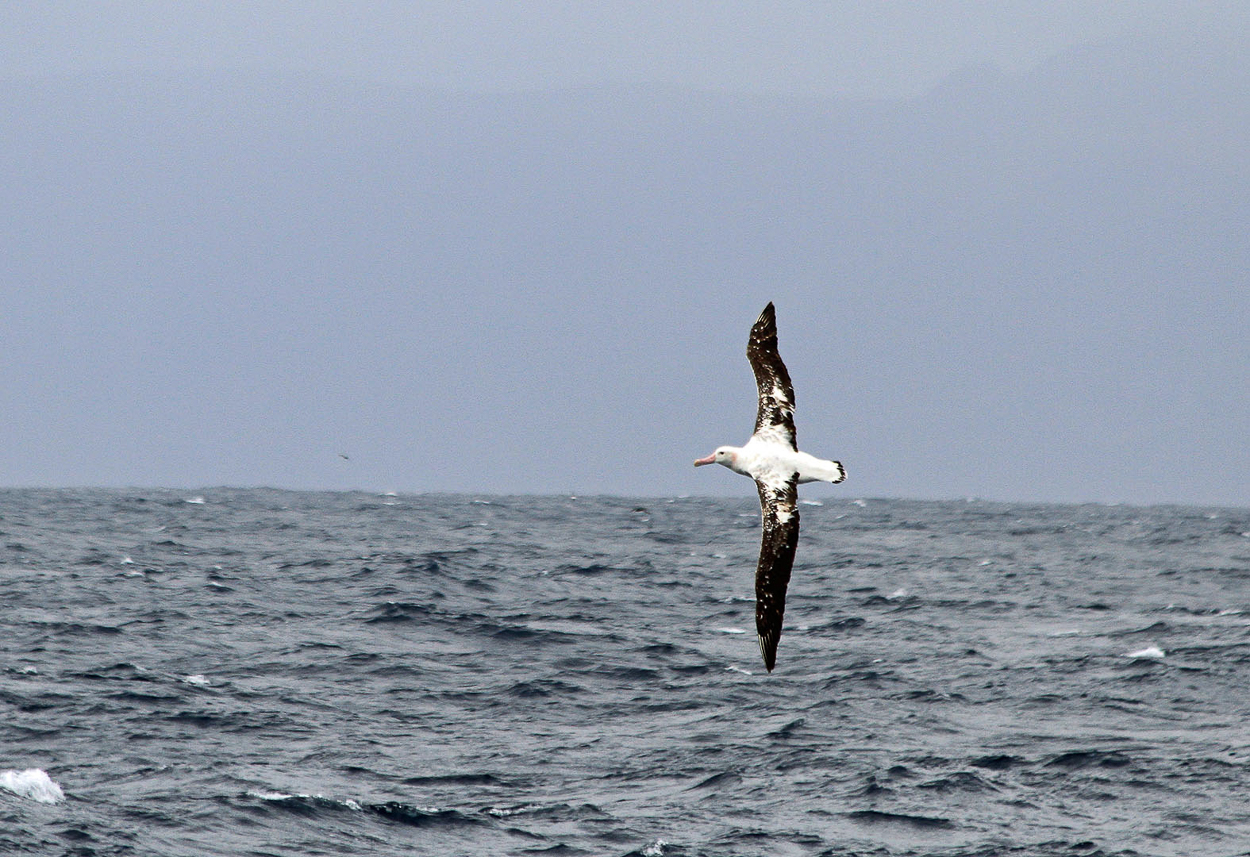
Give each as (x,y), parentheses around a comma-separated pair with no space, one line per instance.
(264,672)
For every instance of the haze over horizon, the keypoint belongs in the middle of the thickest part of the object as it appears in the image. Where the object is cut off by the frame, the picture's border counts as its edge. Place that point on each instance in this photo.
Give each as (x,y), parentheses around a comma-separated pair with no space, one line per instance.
(861,49)
(521,254)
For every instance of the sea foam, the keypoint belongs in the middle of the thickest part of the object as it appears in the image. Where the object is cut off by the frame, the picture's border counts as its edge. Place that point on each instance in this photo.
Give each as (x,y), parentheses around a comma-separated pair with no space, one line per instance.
(32,784)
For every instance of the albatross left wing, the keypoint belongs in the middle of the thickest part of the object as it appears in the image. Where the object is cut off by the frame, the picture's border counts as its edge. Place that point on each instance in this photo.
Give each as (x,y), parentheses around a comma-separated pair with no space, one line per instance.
(774,420)
(779,536)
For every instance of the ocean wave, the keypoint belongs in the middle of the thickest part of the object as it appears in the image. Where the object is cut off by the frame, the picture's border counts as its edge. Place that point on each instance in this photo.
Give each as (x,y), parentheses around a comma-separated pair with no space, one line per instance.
(421,816)
(407,686)
(32,784)
(397,811)
(305,804)
(924,822)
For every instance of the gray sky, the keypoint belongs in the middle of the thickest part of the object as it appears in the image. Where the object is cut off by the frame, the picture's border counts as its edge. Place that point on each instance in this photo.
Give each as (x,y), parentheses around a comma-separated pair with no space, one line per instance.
(874,49)
(517,247)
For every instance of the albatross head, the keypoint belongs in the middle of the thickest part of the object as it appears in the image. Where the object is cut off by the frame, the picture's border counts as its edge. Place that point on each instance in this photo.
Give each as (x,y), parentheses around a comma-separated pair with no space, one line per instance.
(726,455)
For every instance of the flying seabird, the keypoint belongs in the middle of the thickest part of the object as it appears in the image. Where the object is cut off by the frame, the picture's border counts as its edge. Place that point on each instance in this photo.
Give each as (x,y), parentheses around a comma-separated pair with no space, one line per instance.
(772,458)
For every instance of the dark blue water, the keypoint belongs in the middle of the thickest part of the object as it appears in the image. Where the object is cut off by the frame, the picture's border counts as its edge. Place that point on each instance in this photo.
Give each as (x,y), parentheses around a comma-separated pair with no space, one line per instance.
(278,673)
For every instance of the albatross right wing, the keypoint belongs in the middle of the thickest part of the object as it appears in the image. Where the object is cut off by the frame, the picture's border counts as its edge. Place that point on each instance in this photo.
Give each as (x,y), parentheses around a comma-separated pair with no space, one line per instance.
(779,536)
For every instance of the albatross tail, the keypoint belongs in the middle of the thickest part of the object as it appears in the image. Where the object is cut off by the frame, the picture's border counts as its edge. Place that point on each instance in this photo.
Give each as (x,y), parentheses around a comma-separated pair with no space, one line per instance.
(812,469)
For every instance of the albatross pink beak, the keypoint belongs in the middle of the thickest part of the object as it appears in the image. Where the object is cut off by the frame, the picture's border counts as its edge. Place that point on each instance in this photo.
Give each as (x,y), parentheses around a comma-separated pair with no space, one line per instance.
(711,459)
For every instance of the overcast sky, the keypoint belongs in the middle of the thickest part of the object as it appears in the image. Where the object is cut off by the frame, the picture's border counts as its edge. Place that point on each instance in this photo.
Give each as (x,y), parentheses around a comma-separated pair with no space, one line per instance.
(517,247)
(856,48)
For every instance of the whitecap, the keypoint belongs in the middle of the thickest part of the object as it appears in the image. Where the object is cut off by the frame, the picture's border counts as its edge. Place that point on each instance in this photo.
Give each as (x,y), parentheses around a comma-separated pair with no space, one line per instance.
(197,680)
(733,669)
(281,796)
(860,503)
(198,501)
(505,811)
(811,503)
(1151,651)
(32,784)
(731,630)
(654,849)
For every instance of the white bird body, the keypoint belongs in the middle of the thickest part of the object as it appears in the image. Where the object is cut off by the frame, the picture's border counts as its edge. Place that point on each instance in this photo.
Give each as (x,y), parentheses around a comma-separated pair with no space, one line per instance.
(770,461)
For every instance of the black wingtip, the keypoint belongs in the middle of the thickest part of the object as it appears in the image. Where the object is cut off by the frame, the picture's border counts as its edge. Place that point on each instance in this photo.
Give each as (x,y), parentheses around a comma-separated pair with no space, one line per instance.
(768,649)
(765,326)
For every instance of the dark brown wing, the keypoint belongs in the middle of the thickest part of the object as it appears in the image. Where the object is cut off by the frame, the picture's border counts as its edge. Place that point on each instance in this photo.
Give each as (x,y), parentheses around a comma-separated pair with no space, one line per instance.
(778,539)
(775,418)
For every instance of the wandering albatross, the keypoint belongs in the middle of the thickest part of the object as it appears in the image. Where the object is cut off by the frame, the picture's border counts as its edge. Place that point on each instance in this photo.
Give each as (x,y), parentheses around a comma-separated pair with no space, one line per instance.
(772,458)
